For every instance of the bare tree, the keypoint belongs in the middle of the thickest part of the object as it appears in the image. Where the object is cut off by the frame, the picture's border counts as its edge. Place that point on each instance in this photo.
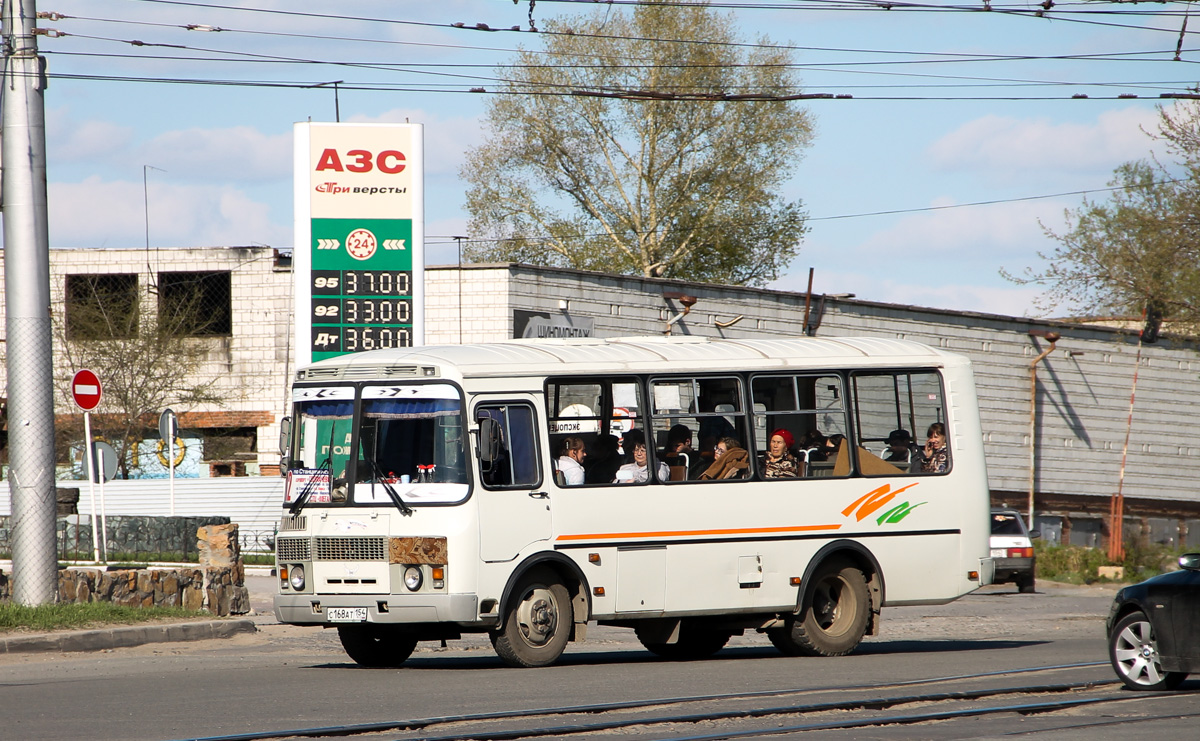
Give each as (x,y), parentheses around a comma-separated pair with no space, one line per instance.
(146,353)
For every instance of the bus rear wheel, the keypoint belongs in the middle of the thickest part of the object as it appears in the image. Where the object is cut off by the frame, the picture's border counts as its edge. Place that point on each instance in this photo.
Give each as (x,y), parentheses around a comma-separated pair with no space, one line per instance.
(694,643)
(538,622)
(376,645)
(836,618)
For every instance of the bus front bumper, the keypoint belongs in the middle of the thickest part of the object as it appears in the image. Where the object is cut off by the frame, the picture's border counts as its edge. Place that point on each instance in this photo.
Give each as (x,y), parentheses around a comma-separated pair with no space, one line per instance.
(310,609)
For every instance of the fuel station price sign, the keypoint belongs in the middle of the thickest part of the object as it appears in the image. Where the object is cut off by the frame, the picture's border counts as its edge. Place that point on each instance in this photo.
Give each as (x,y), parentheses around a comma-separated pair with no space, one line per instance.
(359,258)
(361,285)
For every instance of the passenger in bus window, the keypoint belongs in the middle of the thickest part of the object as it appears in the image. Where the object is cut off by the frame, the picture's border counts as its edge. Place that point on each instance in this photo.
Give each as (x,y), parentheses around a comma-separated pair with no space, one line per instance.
(778,462)
(571,453)
(935,458)
(899,446)
(679,452)
(731,461)
(813,445)
(603,460)
(637,470)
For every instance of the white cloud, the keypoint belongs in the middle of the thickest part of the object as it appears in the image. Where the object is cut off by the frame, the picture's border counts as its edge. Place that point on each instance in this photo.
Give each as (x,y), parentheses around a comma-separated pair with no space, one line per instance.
(68,140)
(97,213)
(239,153)
(1017,147)
(962,235)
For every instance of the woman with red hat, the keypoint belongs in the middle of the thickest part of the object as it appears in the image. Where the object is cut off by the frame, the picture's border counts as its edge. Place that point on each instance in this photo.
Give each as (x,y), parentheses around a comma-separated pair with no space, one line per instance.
(778,462)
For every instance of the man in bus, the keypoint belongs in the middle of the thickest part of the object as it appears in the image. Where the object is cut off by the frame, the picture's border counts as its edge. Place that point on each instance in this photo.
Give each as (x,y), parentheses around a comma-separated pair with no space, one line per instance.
(679,451)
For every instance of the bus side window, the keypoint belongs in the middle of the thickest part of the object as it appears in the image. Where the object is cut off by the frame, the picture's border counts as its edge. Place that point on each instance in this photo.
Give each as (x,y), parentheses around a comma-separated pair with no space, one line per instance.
(508,458)
(892,414)
(811,410)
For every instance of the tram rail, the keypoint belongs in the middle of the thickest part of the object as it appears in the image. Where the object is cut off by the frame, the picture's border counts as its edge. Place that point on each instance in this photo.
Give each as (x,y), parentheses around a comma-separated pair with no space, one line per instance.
(630,715)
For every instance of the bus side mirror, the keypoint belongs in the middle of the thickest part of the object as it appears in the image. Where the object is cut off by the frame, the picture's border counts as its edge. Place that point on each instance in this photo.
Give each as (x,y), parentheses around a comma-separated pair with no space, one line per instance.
(285,434)
(489,440)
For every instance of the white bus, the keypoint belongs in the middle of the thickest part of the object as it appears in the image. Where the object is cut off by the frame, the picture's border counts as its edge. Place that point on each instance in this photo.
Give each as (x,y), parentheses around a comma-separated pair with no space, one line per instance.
(426,498)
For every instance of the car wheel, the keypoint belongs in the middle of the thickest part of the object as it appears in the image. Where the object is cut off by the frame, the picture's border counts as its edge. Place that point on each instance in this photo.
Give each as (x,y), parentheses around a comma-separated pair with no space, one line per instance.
(1025,584)
(1134,654)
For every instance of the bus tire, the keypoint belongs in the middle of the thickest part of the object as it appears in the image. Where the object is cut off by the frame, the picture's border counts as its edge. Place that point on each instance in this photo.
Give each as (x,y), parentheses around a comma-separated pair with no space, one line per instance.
(694,643)
(376,646)
(835,621)
(538,621)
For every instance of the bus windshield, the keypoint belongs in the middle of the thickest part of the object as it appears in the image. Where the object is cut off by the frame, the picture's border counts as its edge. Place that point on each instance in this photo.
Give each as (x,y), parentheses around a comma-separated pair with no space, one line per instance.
(321,445)
(411,438)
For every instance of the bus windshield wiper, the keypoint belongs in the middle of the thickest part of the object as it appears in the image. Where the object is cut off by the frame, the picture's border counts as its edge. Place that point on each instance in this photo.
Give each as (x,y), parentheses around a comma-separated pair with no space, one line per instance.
(326,465)
(395,497)
(310,485)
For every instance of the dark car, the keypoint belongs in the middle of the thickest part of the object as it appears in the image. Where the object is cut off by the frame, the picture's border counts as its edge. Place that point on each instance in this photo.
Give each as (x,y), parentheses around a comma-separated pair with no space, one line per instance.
(1012,550)
(1153,633)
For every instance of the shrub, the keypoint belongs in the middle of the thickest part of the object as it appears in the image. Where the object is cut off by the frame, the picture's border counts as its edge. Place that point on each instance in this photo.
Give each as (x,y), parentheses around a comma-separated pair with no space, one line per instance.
(1075,564)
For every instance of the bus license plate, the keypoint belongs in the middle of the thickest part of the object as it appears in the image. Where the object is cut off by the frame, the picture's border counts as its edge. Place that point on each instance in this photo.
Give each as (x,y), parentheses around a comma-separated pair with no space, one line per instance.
(347,614)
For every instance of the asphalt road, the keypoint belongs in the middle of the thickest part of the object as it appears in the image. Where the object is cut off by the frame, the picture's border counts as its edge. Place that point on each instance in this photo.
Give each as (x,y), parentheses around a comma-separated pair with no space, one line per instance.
(285,677)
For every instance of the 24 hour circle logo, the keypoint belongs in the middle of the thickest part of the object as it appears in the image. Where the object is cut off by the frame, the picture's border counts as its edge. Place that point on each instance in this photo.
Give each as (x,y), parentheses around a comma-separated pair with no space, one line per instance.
(361,244)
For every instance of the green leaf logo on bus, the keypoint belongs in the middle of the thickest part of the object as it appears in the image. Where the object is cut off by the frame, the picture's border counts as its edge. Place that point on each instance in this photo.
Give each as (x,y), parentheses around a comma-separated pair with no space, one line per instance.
(873,501)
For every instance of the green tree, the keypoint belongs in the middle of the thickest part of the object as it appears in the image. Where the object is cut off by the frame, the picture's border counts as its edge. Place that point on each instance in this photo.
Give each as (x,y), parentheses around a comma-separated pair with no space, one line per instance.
(650,143)
(1140,247)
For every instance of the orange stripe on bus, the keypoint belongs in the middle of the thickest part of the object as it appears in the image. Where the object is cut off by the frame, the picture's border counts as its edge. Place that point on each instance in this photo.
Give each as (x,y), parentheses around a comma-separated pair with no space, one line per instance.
(732,531)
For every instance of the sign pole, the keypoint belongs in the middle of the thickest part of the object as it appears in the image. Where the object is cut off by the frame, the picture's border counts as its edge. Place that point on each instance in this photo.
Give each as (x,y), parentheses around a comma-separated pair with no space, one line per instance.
(171,458)
(103,518)
(90,467)
(86,391)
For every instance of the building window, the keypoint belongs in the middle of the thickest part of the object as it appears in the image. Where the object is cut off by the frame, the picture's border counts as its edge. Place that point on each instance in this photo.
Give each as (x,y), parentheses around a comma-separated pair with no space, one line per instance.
(195,304)
(102,307)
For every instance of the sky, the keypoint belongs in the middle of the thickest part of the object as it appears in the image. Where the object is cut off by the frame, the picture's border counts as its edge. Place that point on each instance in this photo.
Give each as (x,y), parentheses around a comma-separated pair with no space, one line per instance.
(149,141)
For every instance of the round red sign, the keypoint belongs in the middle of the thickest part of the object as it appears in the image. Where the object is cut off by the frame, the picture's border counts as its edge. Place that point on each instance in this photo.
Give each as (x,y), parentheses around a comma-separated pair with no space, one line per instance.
(85,388)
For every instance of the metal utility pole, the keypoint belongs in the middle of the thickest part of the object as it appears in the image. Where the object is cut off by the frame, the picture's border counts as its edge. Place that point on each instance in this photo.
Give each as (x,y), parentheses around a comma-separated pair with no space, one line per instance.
(27,307)
(1052,338)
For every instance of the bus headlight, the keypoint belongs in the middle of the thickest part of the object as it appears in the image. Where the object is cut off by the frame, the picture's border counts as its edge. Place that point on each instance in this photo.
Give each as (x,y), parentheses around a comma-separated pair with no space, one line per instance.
(296,577)
(412,578)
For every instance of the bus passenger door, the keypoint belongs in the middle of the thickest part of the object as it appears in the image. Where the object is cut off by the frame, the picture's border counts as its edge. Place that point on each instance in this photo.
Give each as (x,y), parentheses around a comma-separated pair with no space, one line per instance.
(514,505)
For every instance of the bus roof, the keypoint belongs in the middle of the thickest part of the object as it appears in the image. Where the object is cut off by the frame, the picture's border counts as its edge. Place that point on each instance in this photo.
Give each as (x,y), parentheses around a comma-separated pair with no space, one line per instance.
(631,355)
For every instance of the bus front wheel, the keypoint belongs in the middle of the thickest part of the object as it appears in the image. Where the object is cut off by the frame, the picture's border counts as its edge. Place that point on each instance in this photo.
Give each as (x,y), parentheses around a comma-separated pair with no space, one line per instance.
(376,646)
(537,623)
(836,618)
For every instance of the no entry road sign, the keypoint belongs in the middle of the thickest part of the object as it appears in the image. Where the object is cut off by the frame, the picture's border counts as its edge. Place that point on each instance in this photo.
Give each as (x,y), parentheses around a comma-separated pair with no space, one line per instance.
(85,388)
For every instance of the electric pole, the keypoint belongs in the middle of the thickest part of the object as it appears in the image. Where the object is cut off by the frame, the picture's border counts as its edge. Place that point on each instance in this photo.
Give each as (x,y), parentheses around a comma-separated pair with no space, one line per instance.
(27,308)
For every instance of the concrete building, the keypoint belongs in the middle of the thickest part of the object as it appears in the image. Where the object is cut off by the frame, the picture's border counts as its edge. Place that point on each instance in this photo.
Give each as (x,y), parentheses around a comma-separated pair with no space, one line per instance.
(1065,442)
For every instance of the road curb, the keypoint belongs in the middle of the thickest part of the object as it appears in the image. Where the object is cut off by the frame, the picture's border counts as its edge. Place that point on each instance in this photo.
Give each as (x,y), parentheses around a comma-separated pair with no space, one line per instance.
(124,636)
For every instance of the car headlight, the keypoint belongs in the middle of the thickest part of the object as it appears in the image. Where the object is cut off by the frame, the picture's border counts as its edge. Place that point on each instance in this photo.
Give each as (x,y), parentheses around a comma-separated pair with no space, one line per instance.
(296,577)
(412,578)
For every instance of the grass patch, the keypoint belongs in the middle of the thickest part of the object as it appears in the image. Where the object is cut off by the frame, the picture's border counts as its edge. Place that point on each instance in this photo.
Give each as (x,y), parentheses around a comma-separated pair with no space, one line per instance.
(87,615)
(258,559)
(1074,564)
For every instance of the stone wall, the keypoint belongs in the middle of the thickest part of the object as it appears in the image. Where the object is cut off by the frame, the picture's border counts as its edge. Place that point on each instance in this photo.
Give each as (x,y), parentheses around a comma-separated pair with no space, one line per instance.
(218,584)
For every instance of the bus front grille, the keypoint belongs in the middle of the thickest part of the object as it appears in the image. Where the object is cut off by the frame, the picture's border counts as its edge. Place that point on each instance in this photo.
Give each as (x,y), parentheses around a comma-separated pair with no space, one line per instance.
(293,523)
(293,549)
(335,548)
